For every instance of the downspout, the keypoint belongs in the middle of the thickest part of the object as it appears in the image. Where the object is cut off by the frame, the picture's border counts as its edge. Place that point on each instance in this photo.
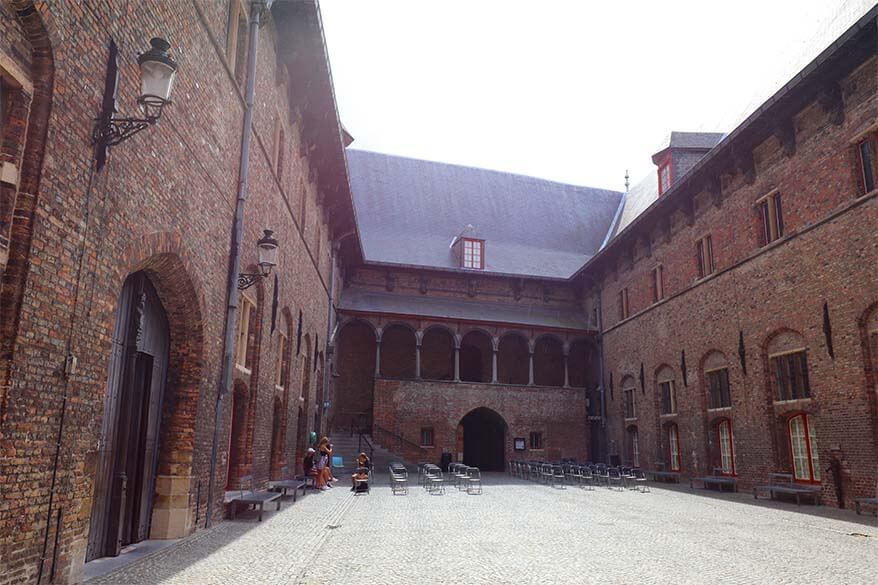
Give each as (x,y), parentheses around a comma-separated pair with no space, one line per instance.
(257,7)
(330,326)
(601,376)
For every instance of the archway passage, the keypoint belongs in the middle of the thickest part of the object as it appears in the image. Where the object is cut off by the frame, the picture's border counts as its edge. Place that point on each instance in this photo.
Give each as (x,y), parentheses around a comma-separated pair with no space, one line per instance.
(125,481)
(484,439)
(437,354)
(352,394)
(512,360)
(476,357)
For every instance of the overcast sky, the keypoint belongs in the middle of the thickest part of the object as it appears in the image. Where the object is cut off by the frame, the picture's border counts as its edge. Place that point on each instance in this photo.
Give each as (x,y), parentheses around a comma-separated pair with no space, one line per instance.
(574,91)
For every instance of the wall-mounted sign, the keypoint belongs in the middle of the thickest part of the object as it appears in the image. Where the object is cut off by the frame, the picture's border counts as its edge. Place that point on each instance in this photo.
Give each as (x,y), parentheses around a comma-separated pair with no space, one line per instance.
(519,444)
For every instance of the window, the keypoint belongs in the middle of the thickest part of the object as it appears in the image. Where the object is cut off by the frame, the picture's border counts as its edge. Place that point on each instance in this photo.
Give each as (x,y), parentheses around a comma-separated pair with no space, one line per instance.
(536,440)
(630,405)
(245,326)
(771,216)
(719,394)
(236,39)
(664,177)
(726,447)
(623,303)
(427,437)
(473,254)
(704,255)
(803,447)
(658,288)
(865,152)
(280,368)
(633,447)
(791,376)
(669,397)
(674,447)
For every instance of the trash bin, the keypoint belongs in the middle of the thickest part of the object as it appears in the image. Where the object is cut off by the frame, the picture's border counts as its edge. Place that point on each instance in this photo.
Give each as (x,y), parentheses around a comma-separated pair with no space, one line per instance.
(444,461)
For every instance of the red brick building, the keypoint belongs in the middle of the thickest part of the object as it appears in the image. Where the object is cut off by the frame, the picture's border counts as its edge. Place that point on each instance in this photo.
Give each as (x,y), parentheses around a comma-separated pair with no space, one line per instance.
(722,314)
(115,281)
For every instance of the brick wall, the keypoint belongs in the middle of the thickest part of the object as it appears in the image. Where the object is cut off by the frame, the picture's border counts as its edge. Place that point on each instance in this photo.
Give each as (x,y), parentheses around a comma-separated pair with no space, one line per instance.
(163,204)
(828,255)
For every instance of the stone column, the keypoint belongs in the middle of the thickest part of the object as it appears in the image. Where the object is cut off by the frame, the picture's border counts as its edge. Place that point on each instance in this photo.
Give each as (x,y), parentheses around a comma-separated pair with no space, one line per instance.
(456,362)
(530,367)
(566,371)
(494,366)
(418,361)
(378,356)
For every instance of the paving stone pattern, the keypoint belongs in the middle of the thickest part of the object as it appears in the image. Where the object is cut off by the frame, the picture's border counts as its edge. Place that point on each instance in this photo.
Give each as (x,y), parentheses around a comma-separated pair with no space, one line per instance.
(520,532)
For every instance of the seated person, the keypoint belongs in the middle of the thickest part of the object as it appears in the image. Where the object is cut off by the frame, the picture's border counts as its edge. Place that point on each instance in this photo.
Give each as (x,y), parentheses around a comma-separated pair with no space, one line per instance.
(363,461)
(361,473)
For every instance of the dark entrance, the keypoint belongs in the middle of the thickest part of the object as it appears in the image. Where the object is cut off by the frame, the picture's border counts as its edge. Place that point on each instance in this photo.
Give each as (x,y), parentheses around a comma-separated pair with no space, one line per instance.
(125,478)
(484,439)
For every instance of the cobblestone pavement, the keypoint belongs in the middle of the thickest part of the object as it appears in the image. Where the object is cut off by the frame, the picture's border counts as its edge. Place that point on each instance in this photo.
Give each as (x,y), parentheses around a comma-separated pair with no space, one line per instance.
(520,532)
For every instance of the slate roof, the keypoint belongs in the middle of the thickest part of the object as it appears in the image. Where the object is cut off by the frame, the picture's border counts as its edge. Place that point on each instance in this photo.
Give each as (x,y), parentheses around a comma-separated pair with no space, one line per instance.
(637,200)
(408,211)
(693,140)
(358,300)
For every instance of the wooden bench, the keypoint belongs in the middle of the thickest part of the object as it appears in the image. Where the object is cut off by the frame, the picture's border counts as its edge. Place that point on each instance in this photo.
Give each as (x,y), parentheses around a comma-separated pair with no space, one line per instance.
(718,479)
(253,498)
(660,474)
(784,483)
(284,485)
(867,501)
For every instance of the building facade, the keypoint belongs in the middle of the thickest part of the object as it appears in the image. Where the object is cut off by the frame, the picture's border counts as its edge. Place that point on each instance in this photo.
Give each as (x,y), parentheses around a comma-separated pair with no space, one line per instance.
(721,315)
(115,281)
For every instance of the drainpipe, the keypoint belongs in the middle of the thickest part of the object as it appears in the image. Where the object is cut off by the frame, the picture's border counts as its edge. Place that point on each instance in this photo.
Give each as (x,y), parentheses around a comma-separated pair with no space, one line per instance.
(257,8)
(601,384)
(330,327)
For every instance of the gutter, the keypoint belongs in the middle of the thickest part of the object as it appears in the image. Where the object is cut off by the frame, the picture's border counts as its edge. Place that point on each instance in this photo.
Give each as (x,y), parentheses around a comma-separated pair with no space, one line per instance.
(257,8)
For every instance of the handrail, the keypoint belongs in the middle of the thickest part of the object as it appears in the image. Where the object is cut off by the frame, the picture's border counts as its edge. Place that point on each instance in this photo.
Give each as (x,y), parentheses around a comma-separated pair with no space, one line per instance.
(362,438)
(400,440)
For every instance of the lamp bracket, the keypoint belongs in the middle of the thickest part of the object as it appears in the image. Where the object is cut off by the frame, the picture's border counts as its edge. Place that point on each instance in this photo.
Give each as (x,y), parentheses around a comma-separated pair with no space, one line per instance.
(112,131)
(246,280)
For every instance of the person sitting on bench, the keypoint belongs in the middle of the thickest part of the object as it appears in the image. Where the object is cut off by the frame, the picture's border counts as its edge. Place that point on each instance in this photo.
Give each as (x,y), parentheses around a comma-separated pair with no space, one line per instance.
(362,462)
(361,474)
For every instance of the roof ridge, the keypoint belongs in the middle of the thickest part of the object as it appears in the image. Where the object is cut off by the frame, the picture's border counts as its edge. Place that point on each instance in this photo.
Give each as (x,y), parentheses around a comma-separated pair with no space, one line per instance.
(481,169)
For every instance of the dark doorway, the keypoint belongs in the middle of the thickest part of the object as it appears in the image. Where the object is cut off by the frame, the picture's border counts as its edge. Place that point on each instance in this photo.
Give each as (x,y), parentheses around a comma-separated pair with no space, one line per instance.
(484,439)
(475,357)
(125,480)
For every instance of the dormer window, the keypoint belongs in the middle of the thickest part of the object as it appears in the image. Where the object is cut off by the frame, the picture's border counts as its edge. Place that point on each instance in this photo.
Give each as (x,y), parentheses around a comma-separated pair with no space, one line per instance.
(473,254)
(664,176)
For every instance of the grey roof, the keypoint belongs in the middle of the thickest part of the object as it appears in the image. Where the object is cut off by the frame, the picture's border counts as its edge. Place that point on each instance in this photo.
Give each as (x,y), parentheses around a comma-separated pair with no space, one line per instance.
(694,140)
(637,200)
(409,211)
(362,301)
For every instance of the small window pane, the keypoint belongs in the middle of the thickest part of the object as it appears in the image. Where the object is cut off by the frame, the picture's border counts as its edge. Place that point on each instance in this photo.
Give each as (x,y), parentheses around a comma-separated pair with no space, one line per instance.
(865,165)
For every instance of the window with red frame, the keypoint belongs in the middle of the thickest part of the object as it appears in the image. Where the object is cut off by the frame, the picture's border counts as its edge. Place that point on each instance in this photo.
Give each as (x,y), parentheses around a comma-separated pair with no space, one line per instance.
(674,447)
(473,254)
(726,447)
(633,447)
(803,448)
(664,177)
(866,155)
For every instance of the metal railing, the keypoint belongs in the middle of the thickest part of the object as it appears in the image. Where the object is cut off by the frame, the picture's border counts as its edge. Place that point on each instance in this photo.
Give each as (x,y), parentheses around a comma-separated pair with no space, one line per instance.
(388,438)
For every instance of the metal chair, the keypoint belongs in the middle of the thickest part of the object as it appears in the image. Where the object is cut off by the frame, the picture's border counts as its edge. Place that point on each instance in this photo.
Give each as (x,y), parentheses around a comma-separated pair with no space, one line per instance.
(474,480)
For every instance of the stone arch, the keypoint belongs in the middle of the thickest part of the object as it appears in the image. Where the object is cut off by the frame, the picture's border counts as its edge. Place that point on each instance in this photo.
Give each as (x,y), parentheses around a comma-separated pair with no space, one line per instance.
(482,431)
(868,329)
(20,205)
(277,460)
(437,353)
(513,354)
(238,458)
(398,351)
(549,361)
(476,356)
(355,366)
(583,363)
(632,446)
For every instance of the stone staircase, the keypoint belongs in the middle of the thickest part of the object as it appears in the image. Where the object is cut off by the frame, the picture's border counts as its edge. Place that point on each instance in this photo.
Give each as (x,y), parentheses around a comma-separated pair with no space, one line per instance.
(347,447)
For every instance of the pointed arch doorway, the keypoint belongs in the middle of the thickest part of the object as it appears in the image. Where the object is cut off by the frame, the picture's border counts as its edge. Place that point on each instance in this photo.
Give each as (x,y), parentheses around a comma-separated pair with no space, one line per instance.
(483,434)
(125,481)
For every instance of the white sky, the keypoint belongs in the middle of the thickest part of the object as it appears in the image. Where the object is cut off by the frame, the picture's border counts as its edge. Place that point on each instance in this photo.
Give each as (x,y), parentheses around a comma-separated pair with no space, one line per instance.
(575,91)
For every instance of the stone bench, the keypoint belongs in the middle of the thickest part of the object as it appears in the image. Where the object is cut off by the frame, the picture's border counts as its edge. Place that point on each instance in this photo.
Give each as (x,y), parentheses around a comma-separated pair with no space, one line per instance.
(252,498)
(783,483)
(717,479)
(869,502)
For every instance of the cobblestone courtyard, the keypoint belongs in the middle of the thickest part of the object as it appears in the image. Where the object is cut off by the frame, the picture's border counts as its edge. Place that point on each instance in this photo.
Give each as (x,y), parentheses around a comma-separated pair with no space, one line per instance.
(520,532)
